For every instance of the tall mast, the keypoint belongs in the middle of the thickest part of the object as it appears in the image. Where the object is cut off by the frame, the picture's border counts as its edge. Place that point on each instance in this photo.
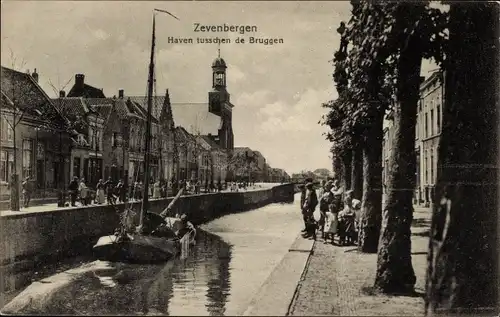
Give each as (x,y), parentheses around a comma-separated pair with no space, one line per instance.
(145,199)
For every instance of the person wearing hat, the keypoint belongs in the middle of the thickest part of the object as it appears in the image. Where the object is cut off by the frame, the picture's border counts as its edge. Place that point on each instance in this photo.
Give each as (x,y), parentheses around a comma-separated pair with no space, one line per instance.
(302,188)
(26,190)
(347,219)
(310,204)
(183,226)
(331,216)
(325,199)
(73,190)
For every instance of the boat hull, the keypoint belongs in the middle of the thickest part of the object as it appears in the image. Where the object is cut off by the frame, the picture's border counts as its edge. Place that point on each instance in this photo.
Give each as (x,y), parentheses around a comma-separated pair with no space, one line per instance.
(136,249)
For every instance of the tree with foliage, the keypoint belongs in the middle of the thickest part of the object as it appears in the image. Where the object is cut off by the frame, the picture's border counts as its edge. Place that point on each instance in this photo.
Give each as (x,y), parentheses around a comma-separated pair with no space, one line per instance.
(371,91)
(243,165)
(389,41)
(462,275)
(359,112)
(402,34)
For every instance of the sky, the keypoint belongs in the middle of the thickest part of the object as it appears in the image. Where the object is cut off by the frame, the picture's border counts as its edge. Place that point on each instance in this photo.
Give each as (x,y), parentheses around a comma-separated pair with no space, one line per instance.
(277,89)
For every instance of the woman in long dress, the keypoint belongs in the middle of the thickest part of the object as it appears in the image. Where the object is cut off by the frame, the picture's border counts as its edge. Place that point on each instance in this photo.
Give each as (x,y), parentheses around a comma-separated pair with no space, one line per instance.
(100,192)
(156,190)
(82,188)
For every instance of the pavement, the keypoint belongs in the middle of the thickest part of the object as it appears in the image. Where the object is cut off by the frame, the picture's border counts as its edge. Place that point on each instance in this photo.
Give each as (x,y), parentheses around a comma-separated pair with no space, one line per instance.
(337,280)
(277,292)
(53,206)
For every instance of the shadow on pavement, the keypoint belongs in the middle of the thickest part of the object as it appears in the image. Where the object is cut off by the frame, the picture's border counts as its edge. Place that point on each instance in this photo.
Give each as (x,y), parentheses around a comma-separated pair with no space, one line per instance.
(371,291)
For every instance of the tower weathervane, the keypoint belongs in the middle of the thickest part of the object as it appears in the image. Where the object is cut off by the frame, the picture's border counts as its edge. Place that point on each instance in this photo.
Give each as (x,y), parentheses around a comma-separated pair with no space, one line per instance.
(218,49)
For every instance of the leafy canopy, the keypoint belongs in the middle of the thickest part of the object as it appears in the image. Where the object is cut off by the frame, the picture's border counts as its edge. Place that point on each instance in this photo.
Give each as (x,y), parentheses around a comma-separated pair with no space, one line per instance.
(365,75)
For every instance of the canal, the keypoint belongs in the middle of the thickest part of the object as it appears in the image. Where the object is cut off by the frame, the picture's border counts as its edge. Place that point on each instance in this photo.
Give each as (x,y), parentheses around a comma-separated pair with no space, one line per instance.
(224,271)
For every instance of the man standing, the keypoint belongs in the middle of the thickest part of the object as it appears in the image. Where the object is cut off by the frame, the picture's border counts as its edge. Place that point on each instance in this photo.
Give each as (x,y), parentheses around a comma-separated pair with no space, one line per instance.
(310,204)
(26,186)
(73,191)
(109,190)
(120,190)
(302,201)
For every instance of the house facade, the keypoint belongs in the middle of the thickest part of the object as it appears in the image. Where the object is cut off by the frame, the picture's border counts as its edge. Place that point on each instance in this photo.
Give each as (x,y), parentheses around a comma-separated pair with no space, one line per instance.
(427,133)
(428,129)
(35,137)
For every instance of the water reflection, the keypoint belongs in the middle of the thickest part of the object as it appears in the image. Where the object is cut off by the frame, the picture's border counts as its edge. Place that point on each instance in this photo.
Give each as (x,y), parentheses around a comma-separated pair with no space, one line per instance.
(197,285)
(212,281)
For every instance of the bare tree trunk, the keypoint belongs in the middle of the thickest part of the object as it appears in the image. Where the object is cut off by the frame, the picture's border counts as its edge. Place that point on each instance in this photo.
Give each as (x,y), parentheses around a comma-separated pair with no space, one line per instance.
(462,275)
(371,209)
(357,172)
(14,184)
(395,272)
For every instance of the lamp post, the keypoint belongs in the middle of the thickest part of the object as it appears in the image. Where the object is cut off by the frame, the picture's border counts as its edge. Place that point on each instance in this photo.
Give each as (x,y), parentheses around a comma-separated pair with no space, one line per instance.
(60,198)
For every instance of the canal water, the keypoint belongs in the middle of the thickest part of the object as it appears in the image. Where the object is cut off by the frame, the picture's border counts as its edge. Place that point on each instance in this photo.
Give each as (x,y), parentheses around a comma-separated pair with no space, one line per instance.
(224,271)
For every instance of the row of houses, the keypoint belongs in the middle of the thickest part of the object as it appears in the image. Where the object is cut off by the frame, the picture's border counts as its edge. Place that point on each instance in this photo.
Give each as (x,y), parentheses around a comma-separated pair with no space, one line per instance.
(251,165)
(87,135)
(427,134)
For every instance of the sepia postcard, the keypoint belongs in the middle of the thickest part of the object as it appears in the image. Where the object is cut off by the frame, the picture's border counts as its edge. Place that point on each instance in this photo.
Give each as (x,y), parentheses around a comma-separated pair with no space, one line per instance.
(249,158)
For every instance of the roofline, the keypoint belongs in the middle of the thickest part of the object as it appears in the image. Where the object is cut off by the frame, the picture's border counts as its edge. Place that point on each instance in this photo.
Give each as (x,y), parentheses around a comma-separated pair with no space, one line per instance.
(433,77)
(109,114)
(8,99)
(43,92)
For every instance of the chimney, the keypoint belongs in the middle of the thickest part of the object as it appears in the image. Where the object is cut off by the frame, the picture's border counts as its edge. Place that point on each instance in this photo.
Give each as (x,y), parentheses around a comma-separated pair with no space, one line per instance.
(62,94)
(35,75)
(79,81)
(120,93)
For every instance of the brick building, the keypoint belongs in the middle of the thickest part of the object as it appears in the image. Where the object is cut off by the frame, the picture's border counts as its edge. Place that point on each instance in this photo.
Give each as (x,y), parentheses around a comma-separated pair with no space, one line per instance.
(40,146)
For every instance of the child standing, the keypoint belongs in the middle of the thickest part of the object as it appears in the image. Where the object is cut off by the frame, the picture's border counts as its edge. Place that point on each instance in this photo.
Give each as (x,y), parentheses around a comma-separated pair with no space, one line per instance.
(331,214)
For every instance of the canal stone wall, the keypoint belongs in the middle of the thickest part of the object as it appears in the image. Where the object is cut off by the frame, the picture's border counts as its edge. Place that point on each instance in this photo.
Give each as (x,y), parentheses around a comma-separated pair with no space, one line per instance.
(30,239)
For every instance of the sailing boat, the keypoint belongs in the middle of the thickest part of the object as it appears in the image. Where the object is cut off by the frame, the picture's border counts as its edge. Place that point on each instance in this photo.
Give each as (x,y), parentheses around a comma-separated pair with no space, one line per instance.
(155,238)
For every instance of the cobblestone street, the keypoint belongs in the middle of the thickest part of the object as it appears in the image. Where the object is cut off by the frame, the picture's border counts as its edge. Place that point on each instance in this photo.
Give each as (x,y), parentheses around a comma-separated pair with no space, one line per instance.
(337,280)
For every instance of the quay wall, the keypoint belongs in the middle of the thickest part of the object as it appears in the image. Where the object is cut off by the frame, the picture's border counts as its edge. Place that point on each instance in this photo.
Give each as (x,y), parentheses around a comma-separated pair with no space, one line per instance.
(29,239)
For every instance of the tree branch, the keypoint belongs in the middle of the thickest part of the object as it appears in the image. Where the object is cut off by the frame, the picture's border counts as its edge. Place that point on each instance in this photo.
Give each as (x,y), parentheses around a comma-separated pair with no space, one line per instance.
(20,118)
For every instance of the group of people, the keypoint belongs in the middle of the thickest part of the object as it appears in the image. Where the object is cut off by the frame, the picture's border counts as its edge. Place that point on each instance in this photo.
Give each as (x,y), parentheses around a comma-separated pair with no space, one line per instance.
(105,191)
(339,212)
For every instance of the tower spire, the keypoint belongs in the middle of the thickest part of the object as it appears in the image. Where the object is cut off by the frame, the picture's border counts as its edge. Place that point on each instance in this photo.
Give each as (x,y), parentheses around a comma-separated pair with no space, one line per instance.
(218,49)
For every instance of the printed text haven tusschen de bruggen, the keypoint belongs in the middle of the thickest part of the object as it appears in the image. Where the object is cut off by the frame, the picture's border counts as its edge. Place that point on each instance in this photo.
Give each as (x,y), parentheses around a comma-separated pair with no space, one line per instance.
(240,29)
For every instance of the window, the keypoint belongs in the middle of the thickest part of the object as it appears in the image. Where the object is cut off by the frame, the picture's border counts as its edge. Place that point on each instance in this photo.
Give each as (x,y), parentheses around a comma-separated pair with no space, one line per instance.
(416,128)
(76,167)
(92,138)
(40,150)
(426,169)
(98,140)
(132,138)
(7,132)
(438,118)
(432,167)
(6,165)
(426,126)
(113,139)
(27,158)
(432,122)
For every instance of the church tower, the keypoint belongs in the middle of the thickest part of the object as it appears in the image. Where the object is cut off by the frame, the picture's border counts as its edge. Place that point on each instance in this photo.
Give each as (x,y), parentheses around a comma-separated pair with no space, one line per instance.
(219,104)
